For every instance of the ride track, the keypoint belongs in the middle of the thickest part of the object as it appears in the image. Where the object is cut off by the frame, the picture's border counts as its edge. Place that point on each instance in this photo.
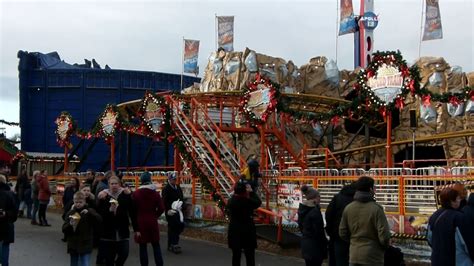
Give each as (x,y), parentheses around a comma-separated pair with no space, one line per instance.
(296,102)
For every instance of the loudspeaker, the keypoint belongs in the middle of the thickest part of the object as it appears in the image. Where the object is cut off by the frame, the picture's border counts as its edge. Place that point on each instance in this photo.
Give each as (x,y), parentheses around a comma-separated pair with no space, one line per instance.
(413,120)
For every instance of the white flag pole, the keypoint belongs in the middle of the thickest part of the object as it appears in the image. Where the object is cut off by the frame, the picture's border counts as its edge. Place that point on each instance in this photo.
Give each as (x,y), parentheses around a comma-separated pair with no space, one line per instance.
(182,64)
(216,20)
(421,27)
(337,28)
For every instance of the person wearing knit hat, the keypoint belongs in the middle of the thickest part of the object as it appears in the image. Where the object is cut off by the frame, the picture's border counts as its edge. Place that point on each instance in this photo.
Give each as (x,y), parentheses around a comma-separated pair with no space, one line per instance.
(172,193)
(145,178)
(148,208)
(310,221)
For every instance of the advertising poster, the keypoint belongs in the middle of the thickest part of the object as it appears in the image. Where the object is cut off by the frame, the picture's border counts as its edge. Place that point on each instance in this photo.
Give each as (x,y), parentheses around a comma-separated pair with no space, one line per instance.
(225,33)
(191,52)
(433,29)
(347,22)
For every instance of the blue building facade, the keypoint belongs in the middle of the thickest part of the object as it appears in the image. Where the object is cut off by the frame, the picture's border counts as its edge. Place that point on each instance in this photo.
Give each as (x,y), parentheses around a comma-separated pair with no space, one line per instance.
(49,85)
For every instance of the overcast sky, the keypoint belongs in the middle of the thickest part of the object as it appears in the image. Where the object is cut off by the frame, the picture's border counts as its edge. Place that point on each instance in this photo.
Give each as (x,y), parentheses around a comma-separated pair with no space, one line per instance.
(147,35)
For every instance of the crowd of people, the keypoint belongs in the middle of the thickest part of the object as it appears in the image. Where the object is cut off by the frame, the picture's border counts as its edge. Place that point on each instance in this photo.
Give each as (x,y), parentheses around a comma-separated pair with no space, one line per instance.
(359,233)
(97,213)
(100,211)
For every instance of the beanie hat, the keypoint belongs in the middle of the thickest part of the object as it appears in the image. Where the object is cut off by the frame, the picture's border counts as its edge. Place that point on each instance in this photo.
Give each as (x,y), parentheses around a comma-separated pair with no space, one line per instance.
(309,192)
(145,178)
(171,175)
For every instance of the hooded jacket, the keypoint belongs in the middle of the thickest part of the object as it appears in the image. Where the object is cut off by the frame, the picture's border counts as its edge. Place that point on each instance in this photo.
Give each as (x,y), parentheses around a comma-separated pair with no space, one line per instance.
(365,226)
(311,224)
(335,209)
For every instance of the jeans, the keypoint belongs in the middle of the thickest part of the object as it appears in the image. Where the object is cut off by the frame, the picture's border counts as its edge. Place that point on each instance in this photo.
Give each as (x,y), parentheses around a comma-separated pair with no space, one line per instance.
(80,259)
(156,254)
(249,256)
(42,213)
(116,252)
(5,253)
(35,209)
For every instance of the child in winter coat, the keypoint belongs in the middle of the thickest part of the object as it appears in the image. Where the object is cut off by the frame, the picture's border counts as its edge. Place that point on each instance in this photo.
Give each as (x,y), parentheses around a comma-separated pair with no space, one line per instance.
(79,226)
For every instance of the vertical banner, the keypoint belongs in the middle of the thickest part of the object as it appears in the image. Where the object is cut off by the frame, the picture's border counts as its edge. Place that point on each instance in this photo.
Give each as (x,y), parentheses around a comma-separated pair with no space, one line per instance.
(433,29)
(225,33)
(347,22)
(191,52)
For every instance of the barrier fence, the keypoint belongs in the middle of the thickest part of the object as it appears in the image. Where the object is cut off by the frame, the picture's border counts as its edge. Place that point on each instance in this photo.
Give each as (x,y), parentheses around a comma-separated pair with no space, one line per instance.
(402,192)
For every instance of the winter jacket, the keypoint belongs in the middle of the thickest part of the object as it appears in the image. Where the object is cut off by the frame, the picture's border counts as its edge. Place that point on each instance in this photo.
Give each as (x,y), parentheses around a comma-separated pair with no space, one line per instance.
(335,209)
(8,214)
(365,226)
(44,193)
(466,227)
(314,244)
(68,195)
(34,188)
(101,185)
(149,207)
(171,194)
(22,184)
(81,240)
(241,232)
(116,225)
(441,236)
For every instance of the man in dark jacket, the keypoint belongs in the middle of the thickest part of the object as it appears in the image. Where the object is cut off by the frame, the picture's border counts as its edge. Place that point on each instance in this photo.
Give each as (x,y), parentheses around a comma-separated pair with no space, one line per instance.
(310,221)
(338,248)
(365,226)
(8,215)
(172,193)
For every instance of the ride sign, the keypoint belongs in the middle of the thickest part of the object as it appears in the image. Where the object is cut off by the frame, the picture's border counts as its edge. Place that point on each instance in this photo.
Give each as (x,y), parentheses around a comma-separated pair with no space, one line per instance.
(369,20)
(387,84)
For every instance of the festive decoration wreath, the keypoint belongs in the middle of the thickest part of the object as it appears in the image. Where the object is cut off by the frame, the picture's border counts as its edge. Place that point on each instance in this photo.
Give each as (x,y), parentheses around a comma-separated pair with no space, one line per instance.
(65,128)
(410,84)
(259,100)
(153,113)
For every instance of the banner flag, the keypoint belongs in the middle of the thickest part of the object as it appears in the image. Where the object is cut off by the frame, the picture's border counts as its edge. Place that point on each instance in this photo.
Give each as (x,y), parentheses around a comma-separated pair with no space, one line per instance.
(225,33)
(347,22)
(433,29)
(191,52)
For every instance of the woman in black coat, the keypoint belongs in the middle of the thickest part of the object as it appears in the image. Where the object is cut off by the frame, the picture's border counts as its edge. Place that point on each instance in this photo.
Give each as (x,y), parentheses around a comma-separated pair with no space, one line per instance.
(115,207)
(310,221)
(441,229)
(242,233)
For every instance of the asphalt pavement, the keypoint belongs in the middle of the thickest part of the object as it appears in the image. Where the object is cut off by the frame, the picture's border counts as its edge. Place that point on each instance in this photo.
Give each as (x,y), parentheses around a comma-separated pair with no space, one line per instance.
(42,246)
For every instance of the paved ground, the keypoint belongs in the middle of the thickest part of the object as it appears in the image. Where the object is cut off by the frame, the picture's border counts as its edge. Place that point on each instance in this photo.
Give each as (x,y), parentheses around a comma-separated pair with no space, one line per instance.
(41,246)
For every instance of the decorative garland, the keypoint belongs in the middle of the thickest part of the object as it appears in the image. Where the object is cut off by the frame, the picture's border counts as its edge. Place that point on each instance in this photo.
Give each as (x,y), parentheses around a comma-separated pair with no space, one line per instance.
(65,127)
(260,84)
